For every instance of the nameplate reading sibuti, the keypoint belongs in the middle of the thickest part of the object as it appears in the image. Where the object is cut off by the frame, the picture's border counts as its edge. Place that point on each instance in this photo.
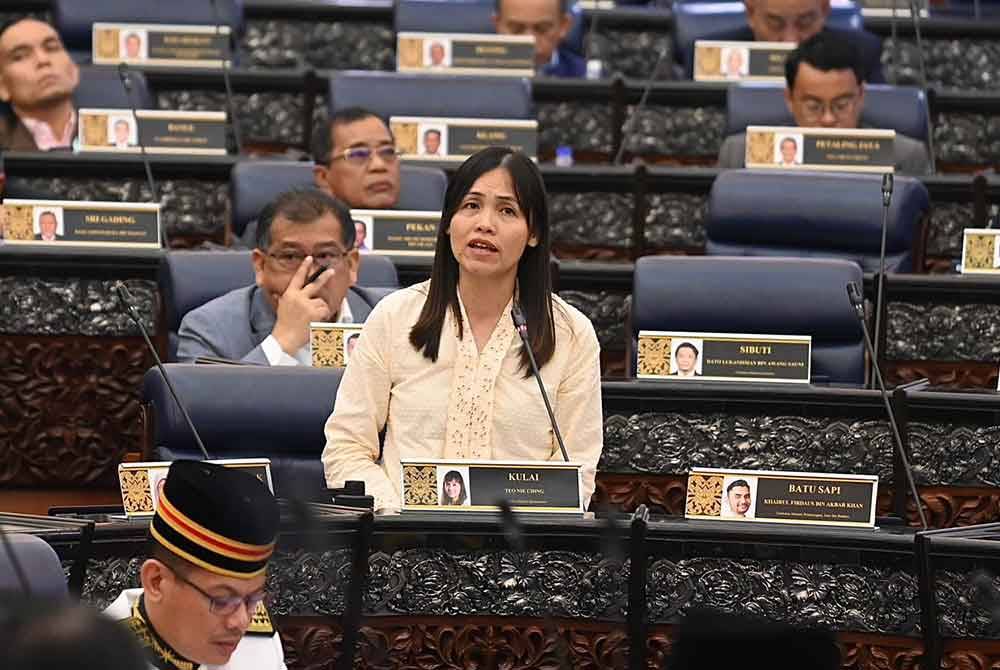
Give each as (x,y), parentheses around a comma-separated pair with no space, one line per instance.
(142,483)
(740,61)
(160,45)
(436,140)
(160,131)
(80,223)
(331,344)
(397,232)
(461,53)
(837,149)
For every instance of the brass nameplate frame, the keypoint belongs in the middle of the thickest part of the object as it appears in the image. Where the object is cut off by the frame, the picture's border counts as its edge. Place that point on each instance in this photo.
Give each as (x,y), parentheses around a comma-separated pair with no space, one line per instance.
(730,357)
(465,53)
(716,60)
(151,44)
(434,140)
(551,487)
(397,232)
(764,496)
(980,251)
(161,131)
(140,482)
(331,344)
(80,223)
(829,149)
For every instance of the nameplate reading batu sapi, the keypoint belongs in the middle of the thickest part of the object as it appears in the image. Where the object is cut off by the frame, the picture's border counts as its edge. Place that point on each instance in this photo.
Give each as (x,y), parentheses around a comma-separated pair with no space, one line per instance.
(838,149)
(161,131)
(476,486)
(80,223)
(435,140)
(160,45)
(980,251)
(460,53)
(398,232)
(331,344)
(732,357)
(141,483)
(781,497)
(740,61)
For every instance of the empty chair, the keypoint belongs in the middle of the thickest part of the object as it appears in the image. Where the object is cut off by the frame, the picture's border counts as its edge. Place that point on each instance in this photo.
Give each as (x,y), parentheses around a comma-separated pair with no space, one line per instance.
(40,565)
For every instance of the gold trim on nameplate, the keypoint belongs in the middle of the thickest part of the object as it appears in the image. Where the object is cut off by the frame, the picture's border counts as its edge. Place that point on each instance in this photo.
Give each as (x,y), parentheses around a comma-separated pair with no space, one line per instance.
(654,355)
(137,497)
(137,484)
(420,485)
(704,495)
(707,60)
(760,146)
(979,251)
(327,343)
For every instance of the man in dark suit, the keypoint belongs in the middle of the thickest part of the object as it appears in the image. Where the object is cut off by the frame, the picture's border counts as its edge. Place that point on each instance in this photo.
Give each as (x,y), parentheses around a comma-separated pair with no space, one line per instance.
(37,80)
(549,21)
(298,234)
(48,224)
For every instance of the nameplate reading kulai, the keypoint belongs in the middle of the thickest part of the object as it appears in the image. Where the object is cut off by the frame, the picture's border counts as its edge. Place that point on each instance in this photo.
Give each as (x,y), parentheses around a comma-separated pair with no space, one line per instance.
(397,232)
(740,61)
(142,483)
(80,223)
(781,497)
(331,344)
(160,131)
(160,45)
(839,149)
(477,486)
(980,251)
(460,53)
(723,357)
(432,140)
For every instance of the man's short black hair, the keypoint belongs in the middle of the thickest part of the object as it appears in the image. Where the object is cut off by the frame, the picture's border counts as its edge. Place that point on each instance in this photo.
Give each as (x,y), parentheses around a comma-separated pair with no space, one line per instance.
(563,6)
(433,131)
(304,205)
(825,51)
(359,222)
(738,483)
(690,346)
(323,142)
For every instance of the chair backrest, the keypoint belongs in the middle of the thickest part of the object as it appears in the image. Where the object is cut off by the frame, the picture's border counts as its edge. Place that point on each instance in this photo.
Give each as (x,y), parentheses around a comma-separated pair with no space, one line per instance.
(245,411)
(899,108)
(254,183)
(817,214)
(401,94)
(102,87)
(41,566)
(444,16)
(780,296)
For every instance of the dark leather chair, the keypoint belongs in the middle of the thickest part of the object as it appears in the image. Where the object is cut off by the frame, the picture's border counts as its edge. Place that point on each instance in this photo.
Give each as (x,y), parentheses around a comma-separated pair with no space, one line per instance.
(245,412)
(779,296)
(42,569)
(817,215)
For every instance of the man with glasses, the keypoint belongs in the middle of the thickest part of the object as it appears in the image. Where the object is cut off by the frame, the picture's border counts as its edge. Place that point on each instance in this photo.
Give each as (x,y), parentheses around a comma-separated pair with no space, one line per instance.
(305,263)
(824,88)
(202,595)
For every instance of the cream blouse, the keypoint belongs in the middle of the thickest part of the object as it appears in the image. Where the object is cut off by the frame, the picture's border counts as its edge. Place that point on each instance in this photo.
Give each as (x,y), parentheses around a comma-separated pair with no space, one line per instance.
(467,404)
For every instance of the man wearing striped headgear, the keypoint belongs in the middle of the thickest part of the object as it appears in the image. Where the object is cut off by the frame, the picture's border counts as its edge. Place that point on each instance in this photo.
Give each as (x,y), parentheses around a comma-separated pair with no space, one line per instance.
(201,601)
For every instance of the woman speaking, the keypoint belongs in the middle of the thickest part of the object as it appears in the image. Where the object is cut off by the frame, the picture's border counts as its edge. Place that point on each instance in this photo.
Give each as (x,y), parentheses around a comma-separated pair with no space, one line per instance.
(440,366)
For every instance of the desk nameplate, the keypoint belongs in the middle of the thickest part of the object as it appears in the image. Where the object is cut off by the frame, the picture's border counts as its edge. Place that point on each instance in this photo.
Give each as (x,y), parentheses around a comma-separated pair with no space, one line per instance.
(161,45)
(396,232)
(331,344)
(740,61)
(465,53)
(80,223)
(830,149)
(161,131)
(141,483)
(452,140)
(980,251)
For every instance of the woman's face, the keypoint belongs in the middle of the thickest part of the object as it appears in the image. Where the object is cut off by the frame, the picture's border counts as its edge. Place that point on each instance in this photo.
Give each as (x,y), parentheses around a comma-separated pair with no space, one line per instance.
(489,231)
(452,489)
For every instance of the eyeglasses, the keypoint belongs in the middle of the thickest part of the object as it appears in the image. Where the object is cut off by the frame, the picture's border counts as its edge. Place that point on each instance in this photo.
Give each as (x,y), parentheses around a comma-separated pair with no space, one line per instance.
(225,605)
(291,260)
(815,109)
(361,155)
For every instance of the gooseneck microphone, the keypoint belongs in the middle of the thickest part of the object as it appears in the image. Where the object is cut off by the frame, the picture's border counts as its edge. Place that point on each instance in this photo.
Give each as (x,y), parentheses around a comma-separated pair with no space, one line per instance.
(126,300)
(879,305)
(521,325)
(916,19)
(858,302)
(234,124)
(627,127)
(125,74)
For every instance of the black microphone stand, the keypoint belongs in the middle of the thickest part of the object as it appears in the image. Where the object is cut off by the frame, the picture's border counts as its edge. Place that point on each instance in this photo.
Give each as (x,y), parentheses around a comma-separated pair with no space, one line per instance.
(627,127)
(887,184)
(234,124)
(125,74)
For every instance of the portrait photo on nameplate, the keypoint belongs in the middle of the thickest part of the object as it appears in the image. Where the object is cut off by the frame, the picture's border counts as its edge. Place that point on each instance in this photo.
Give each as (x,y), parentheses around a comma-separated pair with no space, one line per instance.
(331,344)
(549,487)
(395,232)
(433,140)
(831,149)
(980,251)
(730,357)
(161,131)
(165,45)
(781,497)
(740,61)
(465,53)
(141,483)
(80,223)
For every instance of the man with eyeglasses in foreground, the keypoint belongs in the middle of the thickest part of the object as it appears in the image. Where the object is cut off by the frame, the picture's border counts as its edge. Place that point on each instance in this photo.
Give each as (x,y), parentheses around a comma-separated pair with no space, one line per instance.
(824,88)
(201,601)
(303,235)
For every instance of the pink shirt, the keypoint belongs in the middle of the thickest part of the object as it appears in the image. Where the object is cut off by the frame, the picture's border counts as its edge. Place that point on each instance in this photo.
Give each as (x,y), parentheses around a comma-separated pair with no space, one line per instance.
(45,139)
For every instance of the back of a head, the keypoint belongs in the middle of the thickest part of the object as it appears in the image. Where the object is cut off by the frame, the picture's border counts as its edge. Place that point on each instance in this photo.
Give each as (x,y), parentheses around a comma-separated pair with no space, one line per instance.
(825,51)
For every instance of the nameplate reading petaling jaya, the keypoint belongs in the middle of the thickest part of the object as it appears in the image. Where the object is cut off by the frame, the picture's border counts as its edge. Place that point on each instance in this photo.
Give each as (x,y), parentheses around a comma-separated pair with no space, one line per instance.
(397,232)
(731,357)
(740,61)
(160,45)
(80,223)
(159,131)
(142,483)
(435,140)
(781,497)
(331,344)
(838,149)
(980,251)
(460,53)
(477,486)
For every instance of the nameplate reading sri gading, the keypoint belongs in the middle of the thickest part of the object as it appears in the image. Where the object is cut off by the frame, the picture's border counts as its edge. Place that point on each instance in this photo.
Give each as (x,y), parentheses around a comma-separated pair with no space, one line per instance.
(435,140)
(461,53)
(396,232)
(150,44)
(159,131)
(740,61)
(80,223)
(141,483)
(836,149)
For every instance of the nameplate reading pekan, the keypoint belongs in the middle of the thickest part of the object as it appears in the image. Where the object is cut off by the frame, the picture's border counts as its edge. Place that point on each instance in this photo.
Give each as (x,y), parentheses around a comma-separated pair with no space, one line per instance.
(837,149)
(160,131)
(460,53)
(331,344)
(80,223)
(397,232)
(781,497)
(451,140)
(724,357)
(551,487)
(160,45)
(141,483)
(980,251)
(740,61)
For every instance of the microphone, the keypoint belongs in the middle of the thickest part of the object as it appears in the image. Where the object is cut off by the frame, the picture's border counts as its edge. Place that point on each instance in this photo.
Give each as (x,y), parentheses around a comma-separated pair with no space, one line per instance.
(125,74)
(234,124)
(126,300)
(915,19)
(627,127)
(886,199)
(858,302)
(522,329)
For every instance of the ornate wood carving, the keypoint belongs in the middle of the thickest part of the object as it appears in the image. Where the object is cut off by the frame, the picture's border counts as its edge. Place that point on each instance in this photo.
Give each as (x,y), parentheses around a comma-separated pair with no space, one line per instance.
(664,493)
(967,374)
